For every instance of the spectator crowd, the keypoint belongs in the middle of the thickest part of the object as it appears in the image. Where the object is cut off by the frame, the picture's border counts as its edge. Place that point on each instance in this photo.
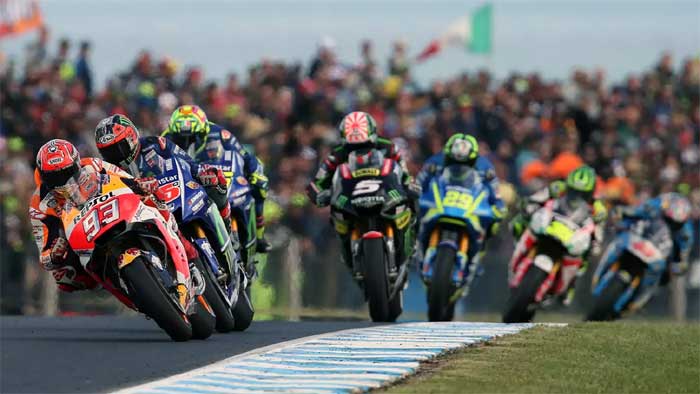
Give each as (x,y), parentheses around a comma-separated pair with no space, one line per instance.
(640,134)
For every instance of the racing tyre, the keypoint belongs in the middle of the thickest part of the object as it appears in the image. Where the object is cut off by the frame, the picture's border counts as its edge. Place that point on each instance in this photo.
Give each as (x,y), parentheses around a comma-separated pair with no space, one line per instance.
(517,308)
(375,279)
(150,297)
(224,315)
(604,305)
(203,320)
(243,311)
(441,287)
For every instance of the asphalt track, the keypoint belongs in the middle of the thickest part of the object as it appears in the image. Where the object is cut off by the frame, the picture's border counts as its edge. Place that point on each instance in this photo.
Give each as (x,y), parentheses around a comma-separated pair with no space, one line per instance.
(98,354)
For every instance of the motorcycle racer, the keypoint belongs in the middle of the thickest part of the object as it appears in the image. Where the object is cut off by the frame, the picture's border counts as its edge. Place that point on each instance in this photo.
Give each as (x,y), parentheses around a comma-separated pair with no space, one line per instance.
(119,142)
(464,149)
(358,131)
(675,210)
(207,143)
(58,170)
(578,188)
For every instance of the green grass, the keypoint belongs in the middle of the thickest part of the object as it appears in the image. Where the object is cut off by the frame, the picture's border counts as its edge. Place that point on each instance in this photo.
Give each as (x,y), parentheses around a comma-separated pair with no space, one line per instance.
(629,357)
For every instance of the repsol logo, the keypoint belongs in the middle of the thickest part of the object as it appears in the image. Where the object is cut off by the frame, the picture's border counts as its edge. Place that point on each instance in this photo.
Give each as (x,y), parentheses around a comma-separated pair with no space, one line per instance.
(91,203)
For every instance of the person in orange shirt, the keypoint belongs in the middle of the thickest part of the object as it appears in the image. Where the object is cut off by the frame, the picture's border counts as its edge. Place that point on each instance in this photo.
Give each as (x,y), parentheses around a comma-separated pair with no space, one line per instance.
(563,164)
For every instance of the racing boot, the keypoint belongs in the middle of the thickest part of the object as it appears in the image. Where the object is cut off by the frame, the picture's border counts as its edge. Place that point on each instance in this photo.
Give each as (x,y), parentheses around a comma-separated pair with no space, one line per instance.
(73,277)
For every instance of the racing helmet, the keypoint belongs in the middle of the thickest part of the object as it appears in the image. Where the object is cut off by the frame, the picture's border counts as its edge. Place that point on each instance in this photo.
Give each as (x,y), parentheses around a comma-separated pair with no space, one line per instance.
(580,184)
(358,128)
(461,149)
(188,124)
(117,139)
(57,162)
(675,209)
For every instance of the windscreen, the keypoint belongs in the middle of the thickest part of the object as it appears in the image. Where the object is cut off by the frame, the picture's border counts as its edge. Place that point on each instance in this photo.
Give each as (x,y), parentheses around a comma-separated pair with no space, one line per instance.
(365,158)
(461,175)
(82,188)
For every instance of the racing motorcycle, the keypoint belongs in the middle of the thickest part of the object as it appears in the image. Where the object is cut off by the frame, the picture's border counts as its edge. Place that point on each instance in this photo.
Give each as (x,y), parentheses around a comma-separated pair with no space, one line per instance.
(243,225)
(369,205)
(244,233)
(458,215)
(135,254)
(560,233)
(637,256)
(201,223)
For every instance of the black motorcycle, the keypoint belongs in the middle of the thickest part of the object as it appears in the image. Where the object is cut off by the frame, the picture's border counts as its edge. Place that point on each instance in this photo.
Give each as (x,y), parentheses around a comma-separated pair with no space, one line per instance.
(370,213)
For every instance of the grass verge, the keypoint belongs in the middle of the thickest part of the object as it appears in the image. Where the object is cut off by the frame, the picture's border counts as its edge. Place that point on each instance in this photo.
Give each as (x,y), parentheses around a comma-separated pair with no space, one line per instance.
(621,357)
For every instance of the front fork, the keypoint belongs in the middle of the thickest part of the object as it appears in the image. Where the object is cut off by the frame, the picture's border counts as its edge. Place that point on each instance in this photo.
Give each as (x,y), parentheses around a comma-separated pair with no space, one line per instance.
(464,270)
(355,242)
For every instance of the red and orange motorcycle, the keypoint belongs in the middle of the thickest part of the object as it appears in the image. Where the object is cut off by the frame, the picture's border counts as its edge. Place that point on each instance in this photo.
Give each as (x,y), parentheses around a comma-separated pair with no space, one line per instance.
(135,254)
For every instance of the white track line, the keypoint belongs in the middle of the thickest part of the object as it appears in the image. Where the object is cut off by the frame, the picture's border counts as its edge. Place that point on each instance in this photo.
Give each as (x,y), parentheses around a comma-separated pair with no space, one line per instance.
(346,361)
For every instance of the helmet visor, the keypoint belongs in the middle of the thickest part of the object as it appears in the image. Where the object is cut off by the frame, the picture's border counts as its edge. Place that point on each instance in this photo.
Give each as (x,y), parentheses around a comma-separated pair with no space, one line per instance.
(118,153)
(55,179)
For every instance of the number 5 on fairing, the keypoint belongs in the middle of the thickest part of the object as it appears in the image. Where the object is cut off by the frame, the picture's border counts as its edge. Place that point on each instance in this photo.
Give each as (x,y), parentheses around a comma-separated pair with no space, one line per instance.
(367,186)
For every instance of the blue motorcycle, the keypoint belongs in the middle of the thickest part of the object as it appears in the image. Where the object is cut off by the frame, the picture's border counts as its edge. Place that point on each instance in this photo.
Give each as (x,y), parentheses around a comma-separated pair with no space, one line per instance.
(242,210)
(456,220)
(636,258)
(243,226)
(201,223)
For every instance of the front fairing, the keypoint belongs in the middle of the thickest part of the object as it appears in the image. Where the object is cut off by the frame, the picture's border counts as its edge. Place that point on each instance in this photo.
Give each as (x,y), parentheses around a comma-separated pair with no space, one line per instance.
(86,217)
(456,205)
(184,196)
(459,201)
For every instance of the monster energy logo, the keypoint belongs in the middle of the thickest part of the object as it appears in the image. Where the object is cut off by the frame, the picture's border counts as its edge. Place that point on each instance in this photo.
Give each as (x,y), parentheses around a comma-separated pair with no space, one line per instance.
(342,200)
(394,194)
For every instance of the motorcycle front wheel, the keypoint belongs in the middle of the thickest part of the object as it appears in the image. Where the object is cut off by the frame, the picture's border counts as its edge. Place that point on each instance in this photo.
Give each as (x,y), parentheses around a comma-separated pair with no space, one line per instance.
(243,311)
(441,286)
(518,308)
(150,297)
(604,305)
(225,321)
(375,280)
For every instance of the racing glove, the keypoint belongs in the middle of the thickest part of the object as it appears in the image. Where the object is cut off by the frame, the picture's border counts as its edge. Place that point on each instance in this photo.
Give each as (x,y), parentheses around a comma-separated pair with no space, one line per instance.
(212,177)
(147,185)
(58,254)
(321,198)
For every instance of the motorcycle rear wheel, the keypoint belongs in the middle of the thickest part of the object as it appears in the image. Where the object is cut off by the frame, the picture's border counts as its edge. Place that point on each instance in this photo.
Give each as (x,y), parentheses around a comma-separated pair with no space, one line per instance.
(150,297)
(523,296)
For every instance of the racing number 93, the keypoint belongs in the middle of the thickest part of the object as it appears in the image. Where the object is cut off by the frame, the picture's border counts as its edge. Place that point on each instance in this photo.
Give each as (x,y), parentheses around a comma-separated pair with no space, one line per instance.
(456,199)
(99,217)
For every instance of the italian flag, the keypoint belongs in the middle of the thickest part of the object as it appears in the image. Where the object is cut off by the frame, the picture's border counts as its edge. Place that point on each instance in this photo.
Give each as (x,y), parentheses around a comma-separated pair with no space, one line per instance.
(472,32)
